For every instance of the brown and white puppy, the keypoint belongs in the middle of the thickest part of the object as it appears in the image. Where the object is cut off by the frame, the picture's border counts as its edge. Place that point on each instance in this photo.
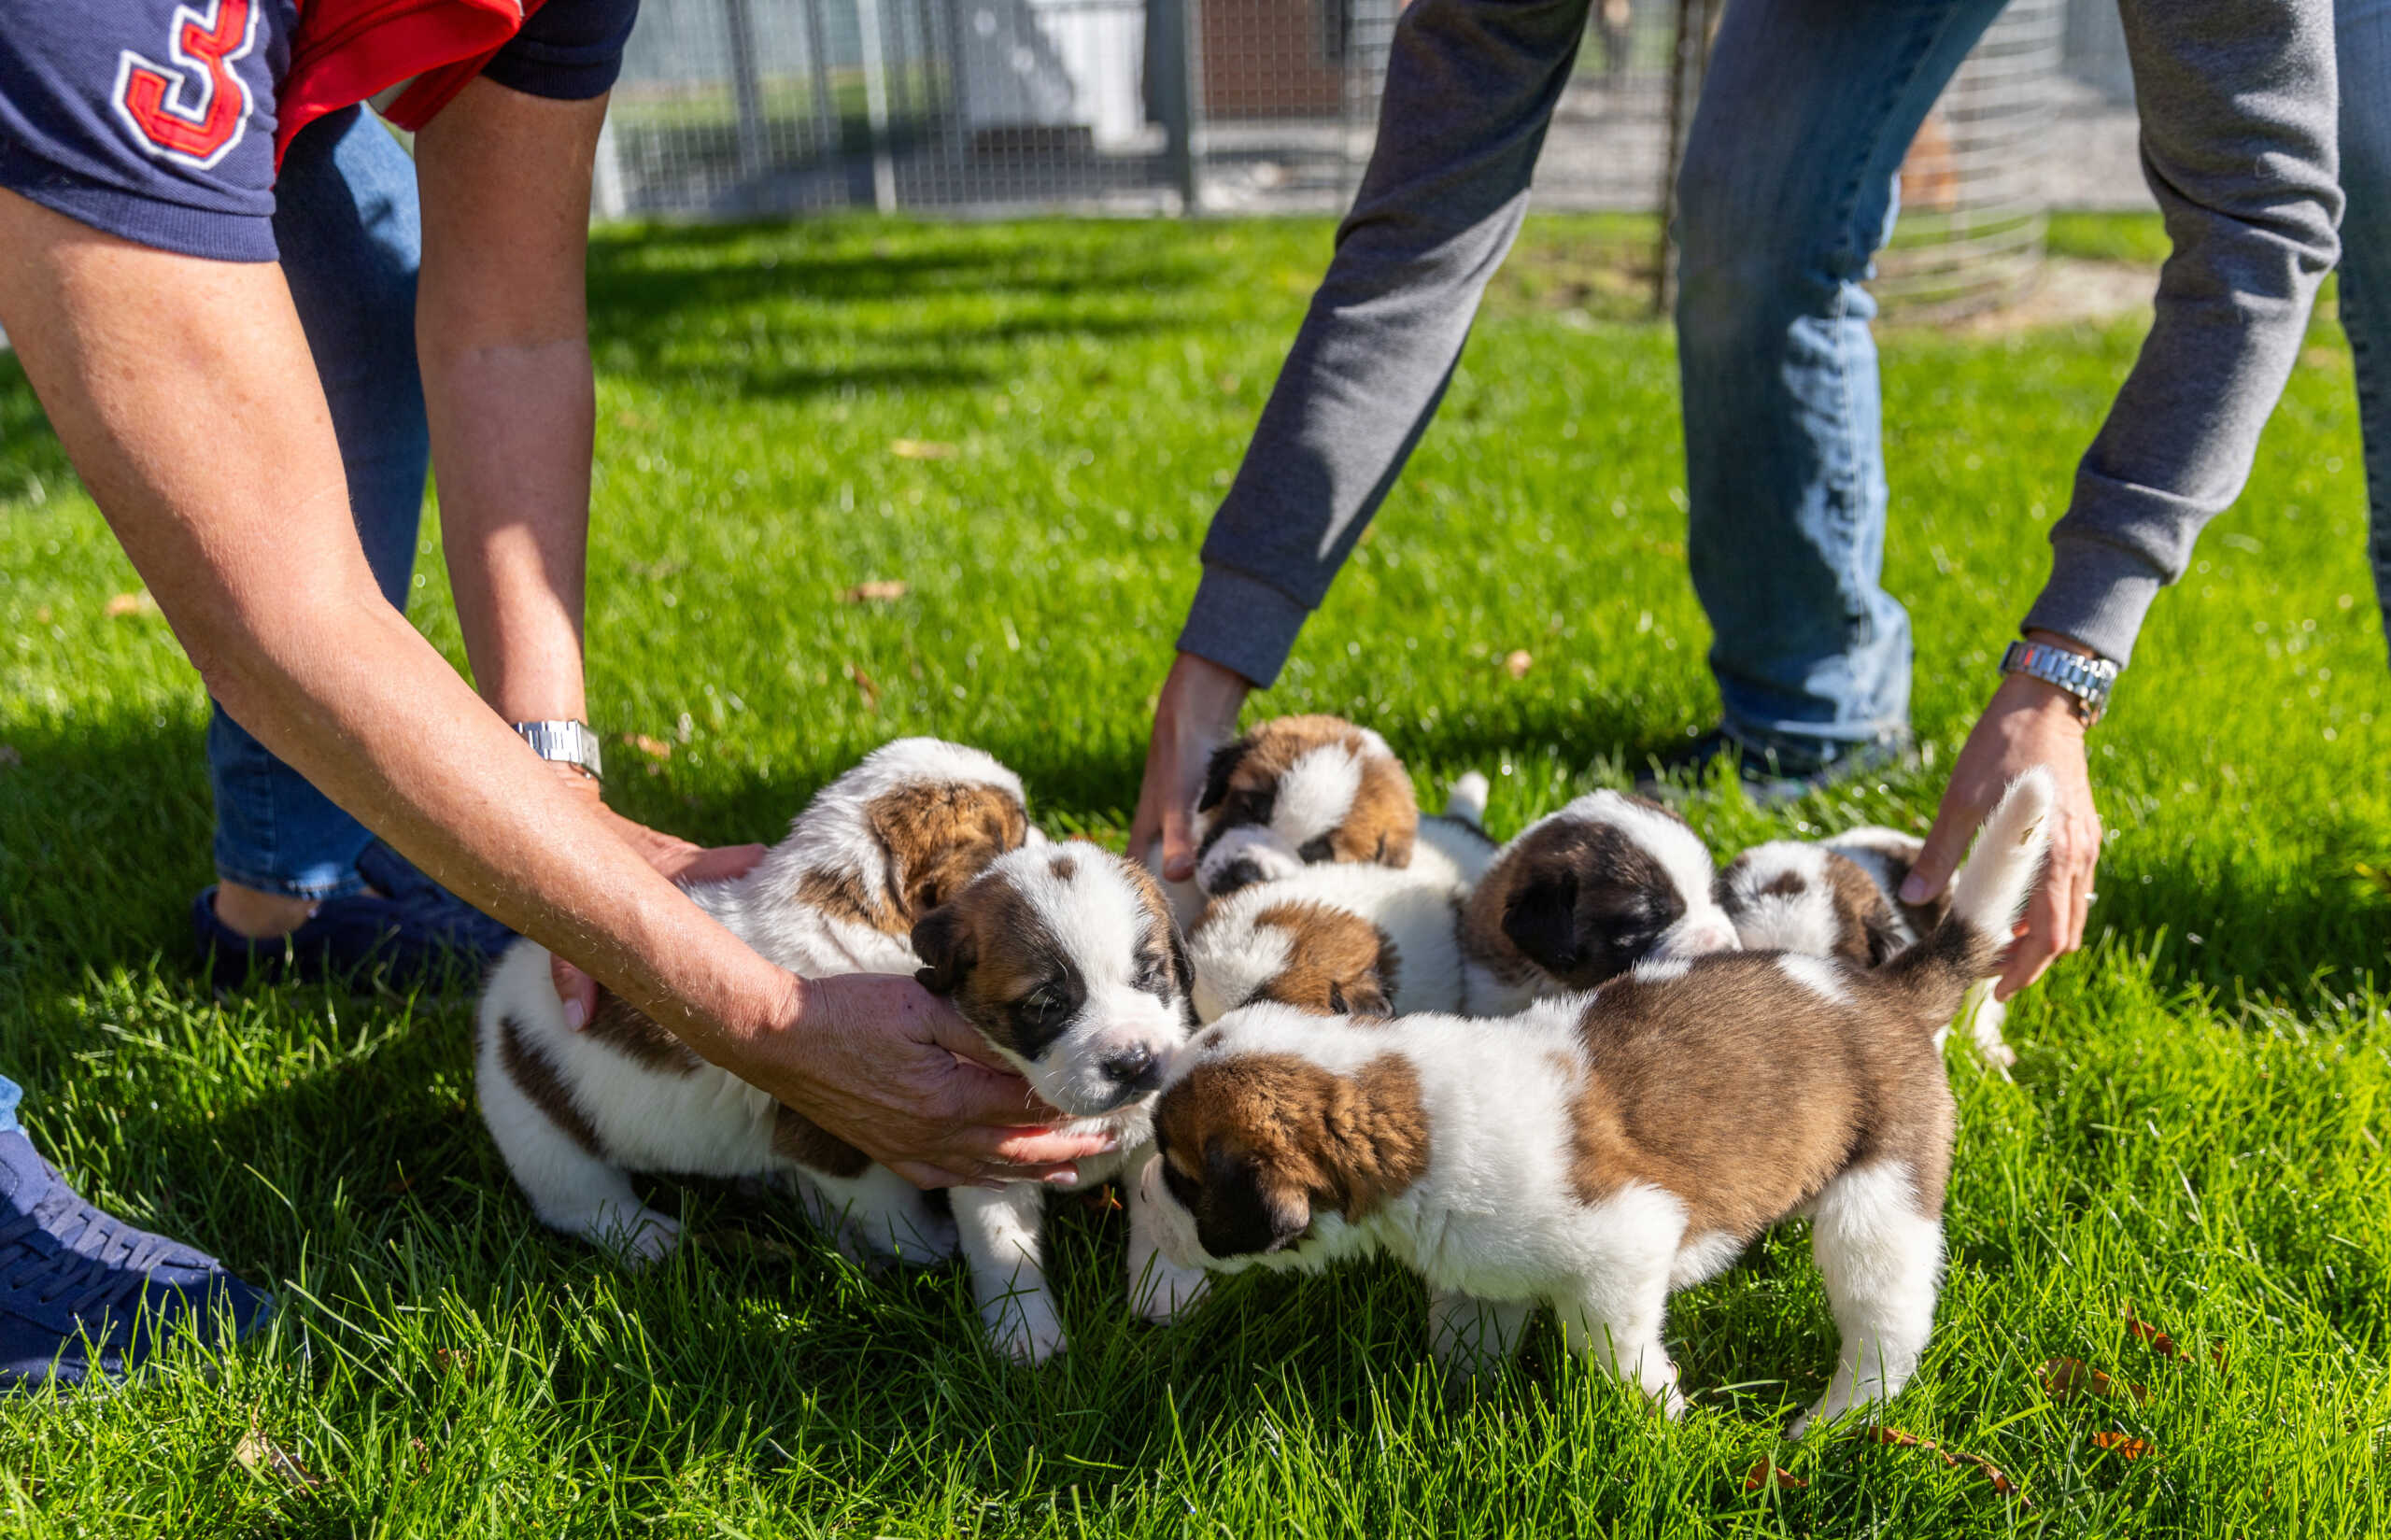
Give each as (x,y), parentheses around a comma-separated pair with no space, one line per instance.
(1841,898)
(574,1112)
(1297,790)
(1341,938)
(1066,959)
(1583,896)
(1603,1151)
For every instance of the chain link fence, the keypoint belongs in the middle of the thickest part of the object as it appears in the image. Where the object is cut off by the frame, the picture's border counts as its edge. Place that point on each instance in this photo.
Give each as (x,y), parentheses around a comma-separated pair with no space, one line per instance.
(748,108)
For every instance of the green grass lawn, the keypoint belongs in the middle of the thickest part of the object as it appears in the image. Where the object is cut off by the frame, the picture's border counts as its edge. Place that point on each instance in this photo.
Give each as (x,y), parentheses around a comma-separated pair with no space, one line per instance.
(2195,1132)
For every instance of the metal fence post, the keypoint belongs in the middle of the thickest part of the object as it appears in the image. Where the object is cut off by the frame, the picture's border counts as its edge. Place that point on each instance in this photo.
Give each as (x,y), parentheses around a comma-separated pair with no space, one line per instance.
(875,105)
(1689,58)
(747,92)
(1176,53)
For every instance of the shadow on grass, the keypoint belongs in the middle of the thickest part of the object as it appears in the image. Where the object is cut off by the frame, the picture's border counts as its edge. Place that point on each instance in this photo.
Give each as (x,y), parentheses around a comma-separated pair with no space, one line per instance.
(644,286)
(29,451)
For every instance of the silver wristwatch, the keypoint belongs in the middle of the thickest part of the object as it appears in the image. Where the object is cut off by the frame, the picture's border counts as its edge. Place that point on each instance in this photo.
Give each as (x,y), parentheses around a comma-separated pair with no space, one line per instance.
(2088,679)
(566,742)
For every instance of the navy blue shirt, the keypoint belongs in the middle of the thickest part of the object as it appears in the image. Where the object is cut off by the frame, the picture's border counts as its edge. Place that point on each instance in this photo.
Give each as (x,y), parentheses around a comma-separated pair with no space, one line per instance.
(154,120)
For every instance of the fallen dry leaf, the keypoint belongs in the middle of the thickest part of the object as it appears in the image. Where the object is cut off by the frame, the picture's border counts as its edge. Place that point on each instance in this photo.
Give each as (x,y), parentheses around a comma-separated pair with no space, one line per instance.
(878,591)
(453,1359)
(137,602)
(864,686)
(422,1455)
(261,1456)
(42,615)
(1766,1475)
(1104,1200)
(2066,1376)
(654,748)
(920,449)
(1992,1472)
(1518,664)
(2121,1446)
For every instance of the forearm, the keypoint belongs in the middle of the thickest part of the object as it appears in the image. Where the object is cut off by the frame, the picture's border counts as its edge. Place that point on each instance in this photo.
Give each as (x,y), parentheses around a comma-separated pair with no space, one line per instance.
(2238,105)
(1470,88)
(502,334)
(511,432)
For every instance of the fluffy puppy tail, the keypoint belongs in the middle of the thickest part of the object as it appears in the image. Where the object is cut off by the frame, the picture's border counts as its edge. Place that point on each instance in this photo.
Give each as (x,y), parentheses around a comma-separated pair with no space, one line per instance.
(1986,896)
(1466,799)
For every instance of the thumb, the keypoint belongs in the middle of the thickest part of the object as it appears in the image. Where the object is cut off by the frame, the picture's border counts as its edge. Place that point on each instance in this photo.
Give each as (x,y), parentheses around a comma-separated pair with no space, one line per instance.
(576,991)
(1178,845)
(1945,842)
(960,1038)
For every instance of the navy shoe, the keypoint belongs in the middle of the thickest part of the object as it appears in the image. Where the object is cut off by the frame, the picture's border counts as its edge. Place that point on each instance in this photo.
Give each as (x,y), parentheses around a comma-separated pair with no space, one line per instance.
(1776,773)
(410,930)
(82,1293)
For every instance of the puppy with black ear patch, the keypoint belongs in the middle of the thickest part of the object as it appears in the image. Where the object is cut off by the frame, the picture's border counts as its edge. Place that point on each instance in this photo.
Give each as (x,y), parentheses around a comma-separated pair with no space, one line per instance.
(574,1112)
(1338,940)
(1584,894)
(1840,898)
(1066,959)
(1299,791)
(1603,1151)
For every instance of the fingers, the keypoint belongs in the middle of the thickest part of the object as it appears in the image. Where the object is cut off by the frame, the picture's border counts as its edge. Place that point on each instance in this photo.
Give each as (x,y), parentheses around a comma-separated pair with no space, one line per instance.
(2046,917)
(1955,823)
(719,864)
(960,1038)
(576,991)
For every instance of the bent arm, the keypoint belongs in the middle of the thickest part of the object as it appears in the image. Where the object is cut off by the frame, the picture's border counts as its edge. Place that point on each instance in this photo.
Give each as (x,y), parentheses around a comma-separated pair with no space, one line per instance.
(2238,142)
(1470,88)
(180,388)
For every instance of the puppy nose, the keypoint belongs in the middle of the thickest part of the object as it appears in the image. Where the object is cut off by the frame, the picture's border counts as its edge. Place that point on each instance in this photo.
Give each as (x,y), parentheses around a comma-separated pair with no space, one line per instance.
(1715,937)
(1134,1067)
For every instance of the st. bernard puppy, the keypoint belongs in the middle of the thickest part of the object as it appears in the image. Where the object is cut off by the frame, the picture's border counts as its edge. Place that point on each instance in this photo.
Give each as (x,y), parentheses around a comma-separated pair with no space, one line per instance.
(1303,790)
(1840,898)
(1066,959)
(1583,895)
(572,1111)
(1342,938)
(1603,1151)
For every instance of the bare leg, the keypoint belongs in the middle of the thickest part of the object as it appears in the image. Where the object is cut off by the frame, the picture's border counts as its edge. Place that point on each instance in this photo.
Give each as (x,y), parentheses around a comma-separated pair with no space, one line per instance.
(1882,1261)
(1003,1236)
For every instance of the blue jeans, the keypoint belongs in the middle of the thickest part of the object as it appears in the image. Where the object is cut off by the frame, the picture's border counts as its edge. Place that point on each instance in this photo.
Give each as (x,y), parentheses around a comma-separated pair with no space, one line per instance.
(1787,191)
(11,1094)
(347,223)
(2362,37)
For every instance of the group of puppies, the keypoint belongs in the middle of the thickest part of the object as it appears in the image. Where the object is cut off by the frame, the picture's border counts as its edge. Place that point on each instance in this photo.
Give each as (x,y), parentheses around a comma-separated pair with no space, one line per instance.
(1583,1069)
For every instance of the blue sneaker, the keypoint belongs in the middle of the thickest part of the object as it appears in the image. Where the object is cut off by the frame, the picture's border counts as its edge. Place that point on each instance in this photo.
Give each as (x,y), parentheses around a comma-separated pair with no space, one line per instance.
(82,1293)
(410,930)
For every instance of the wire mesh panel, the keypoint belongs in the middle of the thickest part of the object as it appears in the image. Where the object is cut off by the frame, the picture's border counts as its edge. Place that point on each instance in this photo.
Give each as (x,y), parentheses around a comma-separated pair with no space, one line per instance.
(1974,196)
(732,107)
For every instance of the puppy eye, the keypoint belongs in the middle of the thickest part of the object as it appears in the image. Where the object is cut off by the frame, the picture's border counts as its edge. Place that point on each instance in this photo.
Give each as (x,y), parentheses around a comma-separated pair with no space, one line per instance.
(1038,1006)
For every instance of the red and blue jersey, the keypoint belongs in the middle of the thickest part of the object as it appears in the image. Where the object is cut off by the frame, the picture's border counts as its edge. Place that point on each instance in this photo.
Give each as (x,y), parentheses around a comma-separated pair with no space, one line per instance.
(163,120)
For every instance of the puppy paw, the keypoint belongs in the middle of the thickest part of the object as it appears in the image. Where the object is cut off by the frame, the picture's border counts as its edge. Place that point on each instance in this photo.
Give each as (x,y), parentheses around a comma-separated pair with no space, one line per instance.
(638,1237)
(1165,1289)
(1024,1328)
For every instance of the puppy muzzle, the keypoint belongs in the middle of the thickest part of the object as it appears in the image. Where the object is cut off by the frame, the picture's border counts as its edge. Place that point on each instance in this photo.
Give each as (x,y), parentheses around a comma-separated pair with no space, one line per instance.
(1244,857)
(1697,936)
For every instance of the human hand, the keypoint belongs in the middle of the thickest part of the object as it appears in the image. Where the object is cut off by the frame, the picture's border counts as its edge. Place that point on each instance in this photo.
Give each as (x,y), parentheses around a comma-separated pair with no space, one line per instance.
(881,1063)
(677,859)
(1194,714)
(2026,723)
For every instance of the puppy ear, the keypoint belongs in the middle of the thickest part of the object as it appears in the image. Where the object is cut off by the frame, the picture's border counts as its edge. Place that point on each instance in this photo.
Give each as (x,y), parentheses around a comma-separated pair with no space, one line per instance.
(1244,1213)
(944,941)
(1366,998)
(1541,920)
(1225,760)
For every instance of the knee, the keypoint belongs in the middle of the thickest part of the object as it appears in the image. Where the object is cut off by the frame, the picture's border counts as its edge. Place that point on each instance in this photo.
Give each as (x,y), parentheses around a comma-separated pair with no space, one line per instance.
(1748,264)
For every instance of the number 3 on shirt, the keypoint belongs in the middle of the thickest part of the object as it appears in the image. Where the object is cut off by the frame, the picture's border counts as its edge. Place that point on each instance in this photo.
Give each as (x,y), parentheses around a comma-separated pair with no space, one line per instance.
(194,110)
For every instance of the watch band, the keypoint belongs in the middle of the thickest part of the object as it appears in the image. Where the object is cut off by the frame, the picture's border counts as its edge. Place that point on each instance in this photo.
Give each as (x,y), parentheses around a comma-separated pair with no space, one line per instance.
(566,743)
(2088,679)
